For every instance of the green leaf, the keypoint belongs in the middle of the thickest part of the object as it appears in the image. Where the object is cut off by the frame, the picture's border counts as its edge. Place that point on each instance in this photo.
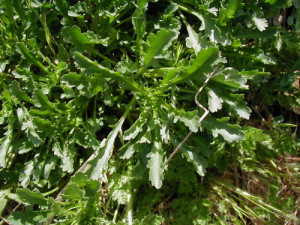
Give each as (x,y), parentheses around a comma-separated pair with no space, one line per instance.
(129,149)
(3,202)
(28,170)
(159,42)
(214,101)
(253,138)
(265,58)
(156,164)
(18,93)
(5,145)
(97,83)
(91,67)
(31,197)
(29,217)
(73,192)
(195,41)
(221,79)
(73,35)
(58,210)
(135,128)
(198,161)
(236,104)
(138,17)
(27,124)
(99,162)
(66,154)
(80,179)
(261,23)
(75,80)
(251,74)
(62,6)
(42,101)
(92,140)
(50,165)
(202,64)
(215,33)
(228,13)
(169,21)
(3,64)
(168,77)
(28,55)
(220,127)
(36,3)
(190,119)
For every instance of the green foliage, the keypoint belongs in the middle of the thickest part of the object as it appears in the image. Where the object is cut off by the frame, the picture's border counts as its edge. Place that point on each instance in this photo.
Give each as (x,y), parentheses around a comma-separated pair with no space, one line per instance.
(96,95)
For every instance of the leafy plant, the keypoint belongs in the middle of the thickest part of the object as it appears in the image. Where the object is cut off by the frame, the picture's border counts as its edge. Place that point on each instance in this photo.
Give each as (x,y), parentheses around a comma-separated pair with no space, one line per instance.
(128,111)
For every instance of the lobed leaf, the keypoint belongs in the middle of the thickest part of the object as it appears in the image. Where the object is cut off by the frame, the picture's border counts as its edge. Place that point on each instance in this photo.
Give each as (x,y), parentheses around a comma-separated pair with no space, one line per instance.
(157,43)
(31,197)
(28,55)
(27,124)
(156,164)
(198,161)
(62,6)
(73,192)
(73,35)
(99,162)
(214,101)
(190,119)
(18,93)
(42,101)
(202,64)
(5,146)
(261,23)
(135,128)
(66,155)
(220,126)
(129,149)
(236,104)
(195,41)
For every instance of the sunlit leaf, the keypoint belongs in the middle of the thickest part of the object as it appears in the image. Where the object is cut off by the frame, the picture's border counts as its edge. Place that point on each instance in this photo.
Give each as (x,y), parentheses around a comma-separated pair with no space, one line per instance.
(156,164)
(157,43)
(17,92)
(198,161)
(202,64)
(214,101)
(100,162)
(190,119)
(28,55)
(237,105)
(135,128)
(261,23)
(5,146)
(42,101)
(221,127)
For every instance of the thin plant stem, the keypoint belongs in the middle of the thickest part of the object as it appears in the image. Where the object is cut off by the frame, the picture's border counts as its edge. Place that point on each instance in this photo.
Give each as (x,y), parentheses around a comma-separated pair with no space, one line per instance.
(206,112)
